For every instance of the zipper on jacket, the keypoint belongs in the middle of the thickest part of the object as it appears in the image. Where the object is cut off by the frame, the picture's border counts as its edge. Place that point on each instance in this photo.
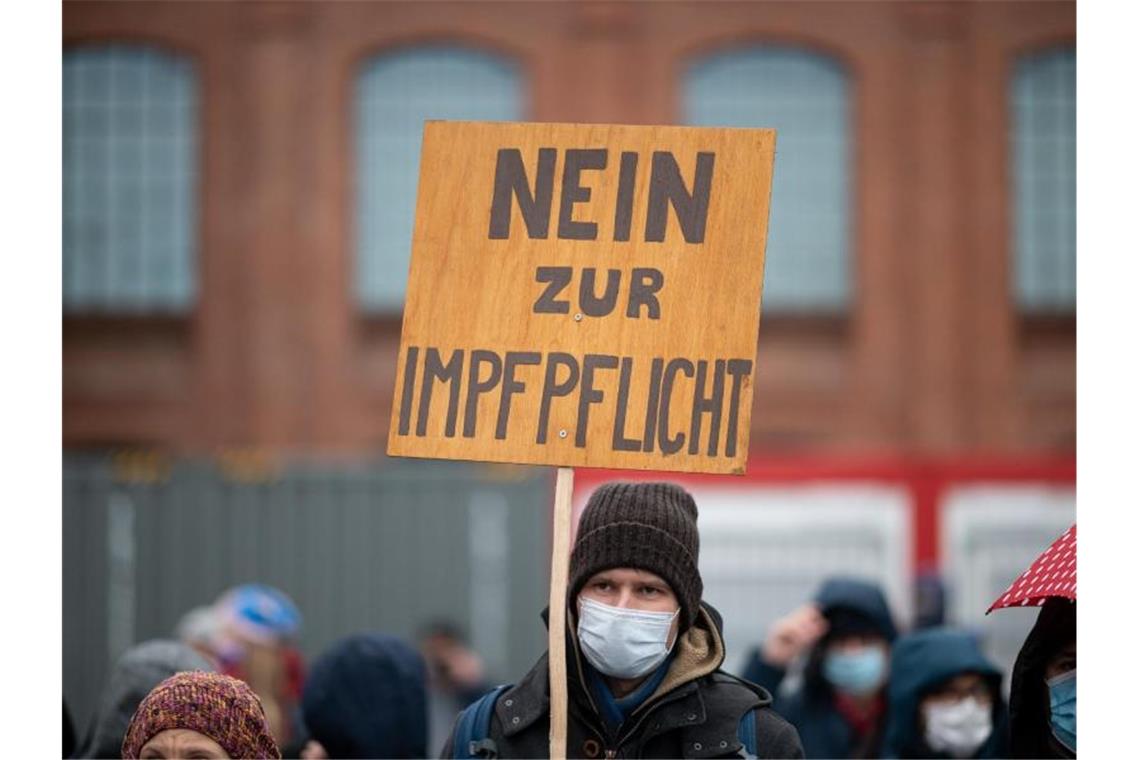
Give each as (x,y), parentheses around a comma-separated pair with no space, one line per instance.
(651,708)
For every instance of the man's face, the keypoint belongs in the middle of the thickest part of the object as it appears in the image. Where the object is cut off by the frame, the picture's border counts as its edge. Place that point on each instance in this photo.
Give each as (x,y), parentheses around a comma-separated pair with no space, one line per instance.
(629,588)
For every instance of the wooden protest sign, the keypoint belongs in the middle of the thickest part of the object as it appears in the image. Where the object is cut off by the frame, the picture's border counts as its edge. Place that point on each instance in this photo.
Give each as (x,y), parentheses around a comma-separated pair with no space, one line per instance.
(584,296)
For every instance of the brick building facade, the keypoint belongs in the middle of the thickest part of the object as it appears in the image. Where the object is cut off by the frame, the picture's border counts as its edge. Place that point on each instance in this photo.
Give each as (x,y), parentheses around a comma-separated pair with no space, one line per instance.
(930,354)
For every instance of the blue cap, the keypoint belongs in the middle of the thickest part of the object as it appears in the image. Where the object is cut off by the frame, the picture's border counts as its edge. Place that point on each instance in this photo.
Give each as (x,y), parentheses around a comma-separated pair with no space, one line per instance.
(267,610)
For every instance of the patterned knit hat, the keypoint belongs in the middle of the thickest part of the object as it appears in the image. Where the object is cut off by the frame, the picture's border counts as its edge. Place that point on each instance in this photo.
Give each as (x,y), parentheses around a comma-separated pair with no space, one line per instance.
(648,526)
(222,708)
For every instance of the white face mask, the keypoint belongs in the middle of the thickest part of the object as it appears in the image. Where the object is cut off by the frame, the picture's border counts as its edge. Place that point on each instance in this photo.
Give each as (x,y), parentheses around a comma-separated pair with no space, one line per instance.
(623,643)
(958,728)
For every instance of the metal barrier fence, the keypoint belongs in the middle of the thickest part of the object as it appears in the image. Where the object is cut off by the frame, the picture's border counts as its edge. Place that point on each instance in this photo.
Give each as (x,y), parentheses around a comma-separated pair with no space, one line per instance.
(359,546)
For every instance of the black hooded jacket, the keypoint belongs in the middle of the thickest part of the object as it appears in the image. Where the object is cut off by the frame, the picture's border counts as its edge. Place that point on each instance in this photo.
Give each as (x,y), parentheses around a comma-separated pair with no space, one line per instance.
(695,712)
(1030,733)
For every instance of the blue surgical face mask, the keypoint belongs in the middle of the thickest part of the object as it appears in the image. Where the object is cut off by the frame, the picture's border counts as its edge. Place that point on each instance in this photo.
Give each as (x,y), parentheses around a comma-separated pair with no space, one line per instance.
(856,672)
(623,643)
(1063,708)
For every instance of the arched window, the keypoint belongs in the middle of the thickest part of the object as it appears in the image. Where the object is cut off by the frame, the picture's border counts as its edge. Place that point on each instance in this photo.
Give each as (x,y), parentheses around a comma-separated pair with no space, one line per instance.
(1043,102)
(130,180)
(804,96)
(395,94)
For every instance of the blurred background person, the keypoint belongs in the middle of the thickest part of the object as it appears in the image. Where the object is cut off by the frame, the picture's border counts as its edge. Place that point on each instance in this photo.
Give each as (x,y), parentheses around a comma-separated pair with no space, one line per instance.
(199,629)
(842,639)
(929,600)
(200,715)
(944,698)
(137,672)
(1043,693)
(456,677)
(254,641)
(366,697)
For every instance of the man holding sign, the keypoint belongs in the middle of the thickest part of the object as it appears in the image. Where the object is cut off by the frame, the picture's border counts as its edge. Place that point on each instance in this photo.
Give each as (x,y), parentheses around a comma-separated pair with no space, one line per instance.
(645,652)
(589,295)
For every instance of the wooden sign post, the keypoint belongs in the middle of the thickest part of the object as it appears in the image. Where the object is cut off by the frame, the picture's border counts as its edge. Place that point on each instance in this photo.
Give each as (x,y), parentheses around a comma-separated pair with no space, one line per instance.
(583,295)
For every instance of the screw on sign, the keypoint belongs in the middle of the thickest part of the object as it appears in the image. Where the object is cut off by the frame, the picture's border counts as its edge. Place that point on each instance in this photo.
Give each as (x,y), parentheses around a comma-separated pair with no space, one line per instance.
(1054,573)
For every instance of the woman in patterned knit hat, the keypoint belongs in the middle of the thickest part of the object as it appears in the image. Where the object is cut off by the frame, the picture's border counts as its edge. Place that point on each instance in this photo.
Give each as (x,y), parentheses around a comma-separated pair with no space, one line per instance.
(199,715)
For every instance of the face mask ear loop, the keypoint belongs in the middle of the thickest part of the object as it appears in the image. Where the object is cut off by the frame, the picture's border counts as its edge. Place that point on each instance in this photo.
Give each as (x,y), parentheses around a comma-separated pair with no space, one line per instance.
(676,636)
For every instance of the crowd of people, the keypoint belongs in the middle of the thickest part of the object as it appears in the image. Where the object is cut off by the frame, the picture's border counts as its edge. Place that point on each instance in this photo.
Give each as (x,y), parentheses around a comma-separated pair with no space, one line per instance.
(645,674)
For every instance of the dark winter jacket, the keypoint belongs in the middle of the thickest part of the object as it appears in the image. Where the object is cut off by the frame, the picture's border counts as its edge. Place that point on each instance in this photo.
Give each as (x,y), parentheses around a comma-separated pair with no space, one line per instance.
(138,671)
(365,697)
(1030,734)
(695,712)
(811,709)
(921,662)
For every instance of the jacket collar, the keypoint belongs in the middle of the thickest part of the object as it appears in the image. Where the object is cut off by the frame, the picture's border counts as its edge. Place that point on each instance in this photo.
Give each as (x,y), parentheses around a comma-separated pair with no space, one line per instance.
(699,651)
(521,705)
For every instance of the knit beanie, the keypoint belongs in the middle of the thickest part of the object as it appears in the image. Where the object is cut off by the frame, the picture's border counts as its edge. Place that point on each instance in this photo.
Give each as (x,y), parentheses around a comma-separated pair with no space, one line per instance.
(647,526)
(222,708)
(136,673)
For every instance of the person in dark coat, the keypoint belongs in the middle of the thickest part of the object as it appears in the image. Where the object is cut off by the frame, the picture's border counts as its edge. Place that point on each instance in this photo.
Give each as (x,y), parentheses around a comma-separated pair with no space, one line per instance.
(1043,690)
(456,677)
(140,669)
(366,697)
(944,698)
(644,651)
(845,634)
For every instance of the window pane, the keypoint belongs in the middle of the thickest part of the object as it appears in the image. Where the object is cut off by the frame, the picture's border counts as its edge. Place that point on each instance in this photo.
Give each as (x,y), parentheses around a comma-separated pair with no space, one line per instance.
(395,94)
(129,180)
(804,96)
(1044,121)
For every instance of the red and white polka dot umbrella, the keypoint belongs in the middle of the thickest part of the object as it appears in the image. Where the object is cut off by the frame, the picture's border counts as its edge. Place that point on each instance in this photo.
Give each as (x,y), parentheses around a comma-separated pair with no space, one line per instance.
(1054,573)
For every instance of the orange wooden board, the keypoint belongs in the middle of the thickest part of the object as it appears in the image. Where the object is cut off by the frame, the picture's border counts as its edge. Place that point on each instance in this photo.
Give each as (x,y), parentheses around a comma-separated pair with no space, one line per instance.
(584,295)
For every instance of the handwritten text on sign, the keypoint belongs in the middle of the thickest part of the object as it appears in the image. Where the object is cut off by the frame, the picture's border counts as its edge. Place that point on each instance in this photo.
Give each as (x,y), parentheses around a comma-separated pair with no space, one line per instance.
(584,295)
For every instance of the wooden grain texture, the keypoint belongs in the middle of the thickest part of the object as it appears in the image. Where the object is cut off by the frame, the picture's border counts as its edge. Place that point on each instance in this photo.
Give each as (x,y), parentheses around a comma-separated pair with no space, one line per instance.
(470,291)
(559,577)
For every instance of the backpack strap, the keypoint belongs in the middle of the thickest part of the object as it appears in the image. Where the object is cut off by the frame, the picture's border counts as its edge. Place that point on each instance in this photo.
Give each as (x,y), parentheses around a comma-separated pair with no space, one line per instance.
(746,732)
(472,737)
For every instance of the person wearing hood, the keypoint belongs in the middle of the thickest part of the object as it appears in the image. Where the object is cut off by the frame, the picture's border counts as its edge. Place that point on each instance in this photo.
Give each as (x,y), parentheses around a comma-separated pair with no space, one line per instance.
(845,635)
(366,697)
(644,651)
(138,671)
(1043,690)
(944,698)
